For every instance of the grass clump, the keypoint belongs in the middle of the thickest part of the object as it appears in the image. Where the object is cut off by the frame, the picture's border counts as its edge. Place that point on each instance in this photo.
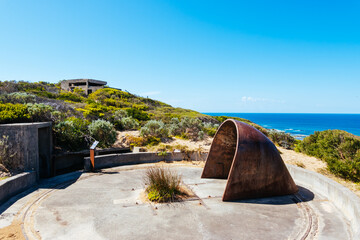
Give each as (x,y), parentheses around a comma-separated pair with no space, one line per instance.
(163,185)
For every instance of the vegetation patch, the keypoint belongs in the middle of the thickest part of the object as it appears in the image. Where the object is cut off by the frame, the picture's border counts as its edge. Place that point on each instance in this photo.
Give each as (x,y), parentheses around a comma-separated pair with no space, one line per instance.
(163,185)
(340,150)
(282,139)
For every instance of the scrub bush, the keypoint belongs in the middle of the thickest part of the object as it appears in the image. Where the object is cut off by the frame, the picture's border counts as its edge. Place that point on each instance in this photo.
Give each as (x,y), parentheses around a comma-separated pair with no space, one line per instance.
(282,139)
(192,128)
(163,185)
(154,128)
(340,149)
(210,129)
(128,123)
(103,131)
(71,134)
(39,112)
(69,96)
(18,97)
(13,113)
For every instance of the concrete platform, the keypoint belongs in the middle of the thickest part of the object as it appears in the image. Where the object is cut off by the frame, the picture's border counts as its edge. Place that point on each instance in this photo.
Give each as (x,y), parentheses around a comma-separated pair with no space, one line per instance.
(107,205)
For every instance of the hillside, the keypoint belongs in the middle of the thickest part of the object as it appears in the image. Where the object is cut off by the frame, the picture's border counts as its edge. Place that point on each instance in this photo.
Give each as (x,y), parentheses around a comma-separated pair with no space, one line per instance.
(72,114)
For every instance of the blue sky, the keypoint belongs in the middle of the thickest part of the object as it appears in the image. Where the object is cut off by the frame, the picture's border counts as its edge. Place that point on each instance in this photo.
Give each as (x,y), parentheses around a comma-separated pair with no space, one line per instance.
(210,56)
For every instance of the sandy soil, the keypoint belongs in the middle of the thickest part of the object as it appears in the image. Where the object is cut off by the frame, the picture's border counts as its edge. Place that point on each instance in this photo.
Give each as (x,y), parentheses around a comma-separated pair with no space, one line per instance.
(12,232)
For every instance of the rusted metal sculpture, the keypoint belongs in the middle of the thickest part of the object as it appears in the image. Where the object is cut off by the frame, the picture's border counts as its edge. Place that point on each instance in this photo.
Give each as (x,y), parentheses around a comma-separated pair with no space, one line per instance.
(249,161)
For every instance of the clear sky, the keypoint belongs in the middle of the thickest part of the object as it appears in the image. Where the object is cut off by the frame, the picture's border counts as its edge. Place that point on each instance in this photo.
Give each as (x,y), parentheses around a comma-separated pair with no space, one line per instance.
(210,56)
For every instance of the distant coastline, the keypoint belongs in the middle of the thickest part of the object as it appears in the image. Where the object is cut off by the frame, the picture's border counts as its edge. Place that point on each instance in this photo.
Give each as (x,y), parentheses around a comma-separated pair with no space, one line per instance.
(301,125)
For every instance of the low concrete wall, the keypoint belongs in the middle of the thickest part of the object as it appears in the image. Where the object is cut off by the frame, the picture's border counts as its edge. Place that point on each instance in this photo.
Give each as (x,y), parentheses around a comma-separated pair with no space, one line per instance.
(113,160)
(16,184)
(345,200)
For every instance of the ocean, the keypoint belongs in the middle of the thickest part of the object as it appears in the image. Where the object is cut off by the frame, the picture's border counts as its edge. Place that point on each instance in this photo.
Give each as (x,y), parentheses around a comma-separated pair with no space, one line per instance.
(301,125)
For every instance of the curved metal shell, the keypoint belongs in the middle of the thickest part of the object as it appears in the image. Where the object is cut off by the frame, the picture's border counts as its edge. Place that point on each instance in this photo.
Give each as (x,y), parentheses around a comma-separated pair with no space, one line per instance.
(249,160)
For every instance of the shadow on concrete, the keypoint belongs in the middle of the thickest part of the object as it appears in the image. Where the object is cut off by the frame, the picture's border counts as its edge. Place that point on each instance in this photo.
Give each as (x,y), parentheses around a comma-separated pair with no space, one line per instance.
(303,195)
(58,182)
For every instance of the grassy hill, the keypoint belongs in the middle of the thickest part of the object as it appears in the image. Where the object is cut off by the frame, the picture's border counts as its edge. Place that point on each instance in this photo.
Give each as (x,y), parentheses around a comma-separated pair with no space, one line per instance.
(72,113)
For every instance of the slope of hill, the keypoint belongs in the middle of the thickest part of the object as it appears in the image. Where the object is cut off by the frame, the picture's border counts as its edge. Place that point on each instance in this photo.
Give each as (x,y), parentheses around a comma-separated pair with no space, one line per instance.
(73,112)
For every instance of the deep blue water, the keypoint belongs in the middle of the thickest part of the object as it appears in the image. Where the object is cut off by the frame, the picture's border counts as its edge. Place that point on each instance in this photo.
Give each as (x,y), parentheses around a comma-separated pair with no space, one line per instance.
(301,125)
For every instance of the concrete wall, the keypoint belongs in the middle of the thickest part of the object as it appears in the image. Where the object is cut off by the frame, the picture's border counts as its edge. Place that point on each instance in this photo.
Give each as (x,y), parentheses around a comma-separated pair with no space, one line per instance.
(24,138)
(16,184)
(113,160)
(345,200)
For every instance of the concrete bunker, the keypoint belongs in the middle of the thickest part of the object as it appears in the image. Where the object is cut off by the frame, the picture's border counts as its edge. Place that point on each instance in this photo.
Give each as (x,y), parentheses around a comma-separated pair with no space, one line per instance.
(249,161)
(33,144)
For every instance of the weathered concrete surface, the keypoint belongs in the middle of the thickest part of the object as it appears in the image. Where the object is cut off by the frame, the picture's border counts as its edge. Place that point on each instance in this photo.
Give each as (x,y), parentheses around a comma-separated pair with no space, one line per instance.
(33,144)
(107,205)
(113,160)
(13,185)
(343,198)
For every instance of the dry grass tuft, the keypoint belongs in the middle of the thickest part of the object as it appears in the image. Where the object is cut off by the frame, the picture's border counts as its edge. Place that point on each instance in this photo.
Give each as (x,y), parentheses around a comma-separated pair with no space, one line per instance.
(163,184)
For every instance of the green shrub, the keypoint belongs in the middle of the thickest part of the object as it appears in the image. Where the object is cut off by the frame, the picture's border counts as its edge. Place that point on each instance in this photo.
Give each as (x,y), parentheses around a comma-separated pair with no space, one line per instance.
(192,128)
(122,121)
(163,184)
(69,96)
(39,111)
(137,114)
(71,134)
(210,129)
(154,128)
(282,139)
(103,131)
(128,123)
(120,114)
(340,149)
(13,113)
(18,97)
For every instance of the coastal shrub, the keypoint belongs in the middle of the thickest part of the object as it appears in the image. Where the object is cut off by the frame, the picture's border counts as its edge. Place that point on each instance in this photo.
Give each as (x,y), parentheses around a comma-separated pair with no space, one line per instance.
(9,159)
(69,96)
(282,139)
(120,114)
(13,113)
(103,131)
(94,111)
(163,184)
(129,123)
(18,97)
(154,128)
(122,121)
(137,114)
(39,111)
(71,134)
(174,127)
(192,128)
(210,129)
(79,92)
(340,149)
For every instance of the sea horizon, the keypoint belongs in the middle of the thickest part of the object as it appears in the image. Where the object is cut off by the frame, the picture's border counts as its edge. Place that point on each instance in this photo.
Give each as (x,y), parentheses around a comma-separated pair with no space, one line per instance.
(301,125)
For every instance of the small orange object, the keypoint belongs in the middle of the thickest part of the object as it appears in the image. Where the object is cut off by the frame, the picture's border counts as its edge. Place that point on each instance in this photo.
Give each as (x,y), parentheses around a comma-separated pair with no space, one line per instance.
(92,158)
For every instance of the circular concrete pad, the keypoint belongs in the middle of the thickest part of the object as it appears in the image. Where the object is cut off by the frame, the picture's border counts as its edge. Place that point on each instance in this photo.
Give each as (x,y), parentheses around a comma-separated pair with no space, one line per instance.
(107,205)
